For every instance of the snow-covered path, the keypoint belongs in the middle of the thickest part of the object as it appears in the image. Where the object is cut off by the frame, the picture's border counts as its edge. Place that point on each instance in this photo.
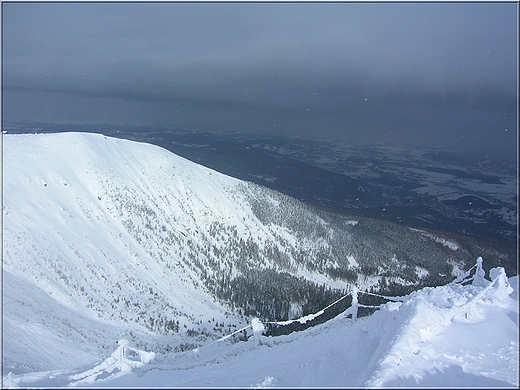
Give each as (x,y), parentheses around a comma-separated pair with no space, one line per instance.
(454,335)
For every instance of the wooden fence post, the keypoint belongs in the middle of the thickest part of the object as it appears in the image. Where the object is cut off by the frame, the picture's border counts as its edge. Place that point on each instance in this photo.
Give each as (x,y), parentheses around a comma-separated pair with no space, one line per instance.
(355,303)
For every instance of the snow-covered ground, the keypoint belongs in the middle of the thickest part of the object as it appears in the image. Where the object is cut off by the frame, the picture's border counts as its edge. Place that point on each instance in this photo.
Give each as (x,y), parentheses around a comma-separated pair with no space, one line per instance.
(96,244)
(464,334)
(72,271)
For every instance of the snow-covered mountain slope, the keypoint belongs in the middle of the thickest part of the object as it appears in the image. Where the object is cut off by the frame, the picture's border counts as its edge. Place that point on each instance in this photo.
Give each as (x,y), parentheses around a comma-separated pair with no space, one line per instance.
(457,335)
(106,239)
(91,221)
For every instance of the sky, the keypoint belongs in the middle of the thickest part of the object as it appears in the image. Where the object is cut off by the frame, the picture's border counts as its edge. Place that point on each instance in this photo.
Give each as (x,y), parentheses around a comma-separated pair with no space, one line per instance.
(442,75)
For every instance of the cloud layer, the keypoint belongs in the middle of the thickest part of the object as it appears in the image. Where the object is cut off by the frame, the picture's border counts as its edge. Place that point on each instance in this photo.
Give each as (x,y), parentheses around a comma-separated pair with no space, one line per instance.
(359,72)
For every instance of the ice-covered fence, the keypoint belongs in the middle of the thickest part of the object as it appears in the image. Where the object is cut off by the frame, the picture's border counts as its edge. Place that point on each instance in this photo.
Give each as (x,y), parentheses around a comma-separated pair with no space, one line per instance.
(254,326)
(234,333)
(497,290)
(257,327)
(308,317)
(478,280)
(123,359)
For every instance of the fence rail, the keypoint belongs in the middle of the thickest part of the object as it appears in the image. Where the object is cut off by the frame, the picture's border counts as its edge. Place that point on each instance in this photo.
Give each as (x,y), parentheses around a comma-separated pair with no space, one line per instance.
(122,361)
(477,279)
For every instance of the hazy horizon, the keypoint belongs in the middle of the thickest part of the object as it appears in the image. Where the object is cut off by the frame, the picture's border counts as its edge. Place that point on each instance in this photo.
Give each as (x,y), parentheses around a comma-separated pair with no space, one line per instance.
(427,74)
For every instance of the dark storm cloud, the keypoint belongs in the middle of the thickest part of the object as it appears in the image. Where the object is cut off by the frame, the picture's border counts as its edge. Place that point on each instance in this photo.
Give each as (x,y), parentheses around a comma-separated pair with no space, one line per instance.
(354,71)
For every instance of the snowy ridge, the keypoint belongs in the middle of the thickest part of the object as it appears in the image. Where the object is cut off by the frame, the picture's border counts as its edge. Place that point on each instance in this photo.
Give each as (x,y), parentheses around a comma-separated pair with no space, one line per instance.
(82,226)
(459,334)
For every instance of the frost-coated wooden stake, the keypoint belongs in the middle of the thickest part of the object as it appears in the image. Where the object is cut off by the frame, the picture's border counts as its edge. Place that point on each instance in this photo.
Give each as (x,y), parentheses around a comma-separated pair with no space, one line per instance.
(354,303)
(258,328)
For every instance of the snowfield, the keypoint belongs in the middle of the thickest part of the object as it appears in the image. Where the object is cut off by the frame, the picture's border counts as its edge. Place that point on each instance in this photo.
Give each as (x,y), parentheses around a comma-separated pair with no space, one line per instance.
(464,334)
(106,248)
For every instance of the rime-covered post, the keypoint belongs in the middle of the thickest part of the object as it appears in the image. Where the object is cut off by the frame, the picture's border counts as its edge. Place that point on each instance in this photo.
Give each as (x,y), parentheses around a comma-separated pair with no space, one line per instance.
(123,365)
(501,283)
(479,277)
(258,328)
(355,303)
(122,344)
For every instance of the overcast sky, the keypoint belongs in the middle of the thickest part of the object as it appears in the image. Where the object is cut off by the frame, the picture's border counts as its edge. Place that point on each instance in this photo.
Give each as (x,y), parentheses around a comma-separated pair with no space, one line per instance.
(437,74)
